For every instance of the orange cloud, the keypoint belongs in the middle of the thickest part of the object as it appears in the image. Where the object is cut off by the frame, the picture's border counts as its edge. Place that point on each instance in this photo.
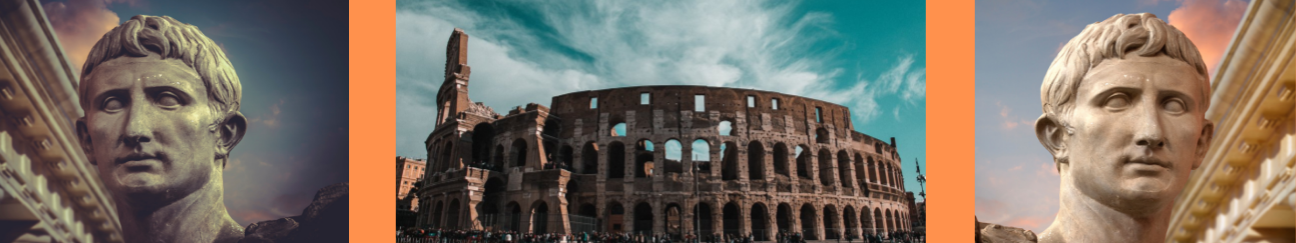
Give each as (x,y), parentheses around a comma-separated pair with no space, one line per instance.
(1210,25)
(79,24)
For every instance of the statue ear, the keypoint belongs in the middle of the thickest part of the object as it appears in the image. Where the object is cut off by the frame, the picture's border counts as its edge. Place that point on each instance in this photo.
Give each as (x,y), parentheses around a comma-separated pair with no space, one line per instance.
(83,136)
(1203,142)
(1053,136)
(231,132)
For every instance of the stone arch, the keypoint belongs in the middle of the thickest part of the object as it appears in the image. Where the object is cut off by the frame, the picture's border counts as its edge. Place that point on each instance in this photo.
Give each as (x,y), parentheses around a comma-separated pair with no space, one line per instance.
(866,220)
(732,219)
(884,172)
(803,162)
(644,161)
(492,195)
(759,222)
(809,226)
(831,229)
(781,159)
(850,222)
(519,152)
(643,218)
(589,158)
(551,127)
(565,155)
(860,171)
(615,217)
(513,217)
(701,150)
(447,156)
(452,217)
(825,167)
(618,130)
(879,221)
(616,160)
(890,220)
(498,162)
(702,216)
(755,161)
(843,169)
(729,158)
(674,153)
(821,135)
(483,135)
(784,218)
(872,170)
(437,211)
(674,219)
(540,217)
(725,128)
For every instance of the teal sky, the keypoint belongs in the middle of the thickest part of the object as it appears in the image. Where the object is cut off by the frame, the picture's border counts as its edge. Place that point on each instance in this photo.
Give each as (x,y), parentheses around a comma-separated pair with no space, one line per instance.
(867,55)
(1016,40)
(291,59)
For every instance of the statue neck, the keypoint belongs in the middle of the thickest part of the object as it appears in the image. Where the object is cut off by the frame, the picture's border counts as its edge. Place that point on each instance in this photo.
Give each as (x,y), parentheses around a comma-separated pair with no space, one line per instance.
(198,217)
(1081,218)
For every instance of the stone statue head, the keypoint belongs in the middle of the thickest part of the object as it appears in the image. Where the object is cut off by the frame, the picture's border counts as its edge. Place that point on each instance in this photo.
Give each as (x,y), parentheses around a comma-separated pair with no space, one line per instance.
(161,110)
(1124,113)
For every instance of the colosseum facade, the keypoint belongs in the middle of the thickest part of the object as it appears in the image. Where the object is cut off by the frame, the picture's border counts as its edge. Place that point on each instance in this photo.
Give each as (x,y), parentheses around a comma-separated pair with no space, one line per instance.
(657,159)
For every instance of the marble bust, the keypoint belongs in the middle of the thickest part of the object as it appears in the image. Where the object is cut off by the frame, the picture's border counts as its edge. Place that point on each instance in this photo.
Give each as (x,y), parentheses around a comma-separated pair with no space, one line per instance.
(161,107)
(1124,117)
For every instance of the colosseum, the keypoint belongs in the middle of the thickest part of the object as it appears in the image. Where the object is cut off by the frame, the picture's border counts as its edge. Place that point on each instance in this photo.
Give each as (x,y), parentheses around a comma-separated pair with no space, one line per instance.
(616,160)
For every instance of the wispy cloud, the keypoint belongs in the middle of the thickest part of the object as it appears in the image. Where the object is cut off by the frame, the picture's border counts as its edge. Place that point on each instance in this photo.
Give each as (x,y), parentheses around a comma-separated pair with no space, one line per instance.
(1010,121)
(79,24)
(269,120)
(577,45)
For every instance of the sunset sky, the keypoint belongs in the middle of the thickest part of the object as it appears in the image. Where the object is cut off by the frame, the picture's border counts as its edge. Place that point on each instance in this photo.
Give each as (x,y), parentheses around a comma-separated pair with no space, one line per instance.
(291,59)
(1016,40)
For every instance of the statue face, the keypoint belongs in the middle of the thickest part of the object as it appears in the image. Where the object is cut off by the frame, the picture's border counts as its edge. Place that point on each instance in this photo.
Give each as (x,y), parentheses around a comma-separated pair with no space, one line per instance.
(1137,124)
(146,128)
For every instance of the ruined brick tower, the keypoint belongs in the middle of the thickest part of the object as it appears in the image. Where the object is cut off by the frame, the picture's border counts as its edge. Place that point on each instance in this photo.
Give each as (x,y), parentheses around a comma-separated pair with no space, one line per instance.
(657,159)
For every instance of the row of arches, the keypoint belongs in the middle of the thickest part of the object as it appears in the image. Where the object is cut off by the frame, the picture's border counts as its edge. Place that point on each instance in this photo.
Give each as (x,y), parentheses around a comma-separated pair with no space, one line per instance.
(815,222)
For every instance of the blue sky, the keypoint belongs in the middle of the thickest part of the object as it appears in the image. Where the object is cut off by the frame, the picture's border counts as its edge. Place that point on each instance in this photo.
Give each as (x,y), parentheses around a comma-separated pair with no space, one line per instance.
(866,55)
(1016,40)
(292,61)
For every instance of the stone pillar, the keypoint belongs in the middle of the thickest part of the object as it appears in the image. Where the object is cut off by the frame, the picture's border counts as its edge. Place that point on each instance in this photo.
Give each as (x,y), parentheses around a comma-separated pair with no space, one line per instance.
(744,225)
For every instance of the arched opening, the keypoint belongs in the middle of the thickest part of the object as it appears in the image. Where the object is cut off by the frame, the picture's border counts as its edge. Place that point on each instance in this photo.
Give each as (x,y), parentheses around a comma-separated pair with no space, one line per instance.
(488,208)
(437,211)
(447,158)
(843,169)
(588,210)
(701,151)
(483,135)
(452,220)
(879,223)
(882,171)
(890,220)
(616,160)
(732,219)
(619,130)
(781,159)
(729,166)
(616,217)
(831,229)
(573,192)
(784,218)
(551,127)
(866,221)
(589,158)
(821,135)
(852,225)
(803,162)
(513,219)
(565,157)
(519,152)
(872,170)
(674,152)
(540,217)
(550,150)
(825,168)
(760,222)
(860,172)
(644,164)
(755,161)
(808,225)
(725,128)
(643,218)
(702,215)
(674,220)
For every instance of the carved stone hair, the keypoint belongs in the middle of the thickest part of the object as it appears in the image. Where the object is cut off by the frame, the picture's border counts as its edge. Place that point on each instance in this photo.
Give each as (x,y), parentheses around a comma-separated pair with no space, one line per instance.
(165,36)
(1140,34)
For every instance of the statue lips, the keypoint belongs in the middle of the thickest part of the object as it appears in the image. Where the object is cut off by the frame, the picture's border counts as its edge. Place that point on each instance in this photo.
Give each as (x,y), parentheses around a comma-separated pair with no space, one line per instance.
(140,161)
(1148,164)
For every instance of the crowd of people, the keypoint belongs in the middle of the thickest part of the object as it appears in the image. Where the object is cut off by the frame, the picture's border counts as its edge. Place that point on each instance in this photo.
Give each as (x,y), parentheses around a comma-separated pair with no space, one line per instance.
(418,235)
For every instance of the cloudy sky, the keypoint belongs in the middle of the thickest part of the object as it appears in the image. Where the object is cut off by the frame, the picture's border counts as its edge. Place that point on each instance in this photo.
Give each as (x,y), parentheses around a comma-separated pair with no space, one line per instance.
(869,56)
(1016,182)
(292,61)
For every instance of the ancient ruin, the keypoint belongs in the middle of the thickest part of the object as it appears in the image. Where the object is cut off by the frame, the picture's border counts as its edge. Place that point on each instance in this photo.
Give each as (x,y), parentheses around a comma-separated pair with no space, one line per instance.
(657,159)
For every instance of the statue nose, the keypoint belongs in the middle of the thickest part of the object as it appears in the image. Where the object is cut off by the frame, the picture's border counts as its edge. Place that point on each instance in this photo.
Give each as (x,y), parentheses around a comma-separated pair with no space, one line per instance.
(139,129)
(1149,132)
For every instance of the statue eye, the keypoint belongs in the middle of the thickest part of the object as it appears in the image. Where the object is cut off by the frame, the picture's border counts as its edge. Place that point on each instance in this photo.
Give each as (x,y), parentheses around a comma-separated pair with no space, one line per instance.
(113,104)
(1117,101)
(1174,106)
(168,100)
